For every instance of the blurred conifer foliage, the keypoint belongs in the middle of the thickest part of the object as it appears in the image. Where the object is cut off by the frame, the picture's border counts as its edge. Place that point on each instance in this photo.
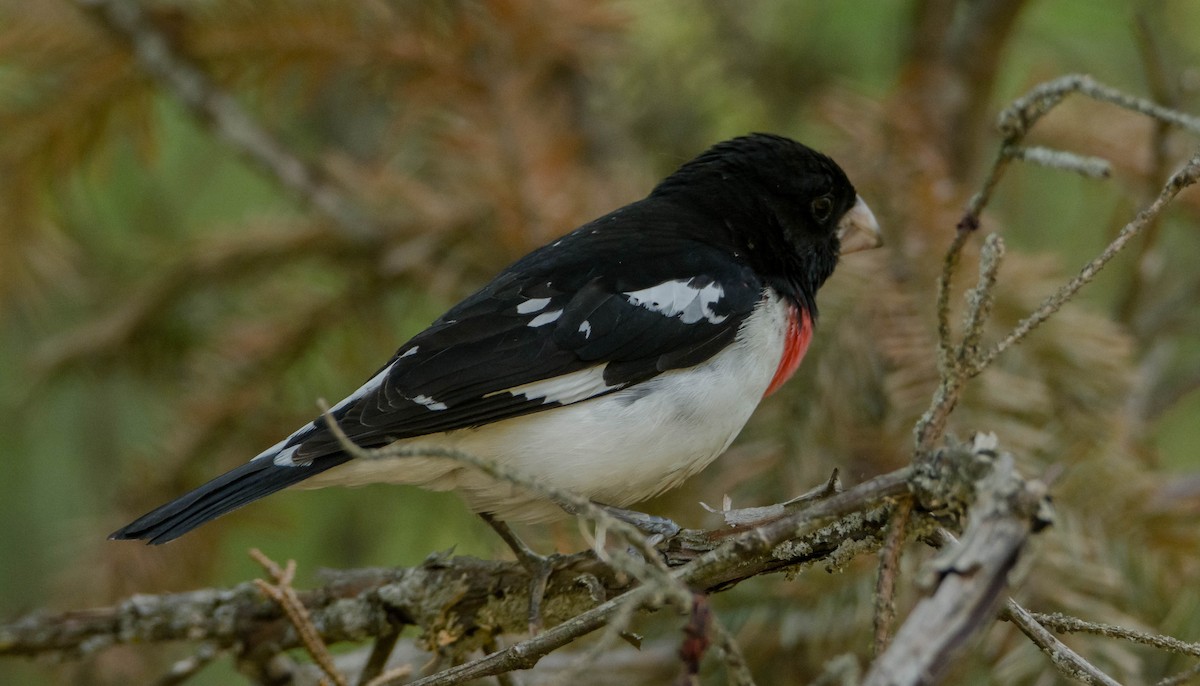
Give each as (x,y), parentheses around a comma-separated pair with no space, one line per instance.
(169,304)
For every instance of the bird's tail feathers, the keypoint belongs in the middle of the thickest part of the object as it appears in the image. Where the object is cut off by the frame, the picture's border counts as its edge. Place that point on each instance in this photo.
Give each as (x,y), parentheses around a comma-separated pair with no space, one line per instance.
(255,479)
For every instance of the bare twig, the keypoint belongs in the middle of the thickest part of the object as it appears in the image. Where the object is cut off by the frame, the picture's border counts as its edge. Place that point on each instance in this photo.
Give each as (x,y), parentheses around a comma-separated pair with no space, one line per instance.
(283,593)
(1188,175)
(979,300)
(358,604)
(1068,662)
(1016,119)
(708,572)
(1091,167)
(889,569)
(952,361)
(1069,625)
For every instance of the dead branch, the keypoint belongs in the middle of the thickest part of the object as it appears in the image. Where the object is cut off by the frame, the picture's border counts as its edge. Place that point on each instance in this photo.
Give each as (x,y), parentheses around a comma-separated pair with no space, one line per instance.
(468,599)
(969,577)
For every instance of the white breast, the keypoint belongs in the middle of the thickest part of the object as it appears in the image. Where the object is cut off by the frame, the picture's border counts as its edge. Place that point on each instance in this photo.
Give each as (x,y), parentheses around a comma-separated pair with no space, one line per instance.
(617,449)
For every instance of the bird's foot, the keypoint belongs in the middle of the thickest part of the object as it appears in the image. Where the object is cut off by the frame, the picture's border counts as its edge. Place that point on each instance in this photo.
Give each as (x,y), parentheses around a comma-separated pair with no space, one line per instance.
(539,568)
(657,528)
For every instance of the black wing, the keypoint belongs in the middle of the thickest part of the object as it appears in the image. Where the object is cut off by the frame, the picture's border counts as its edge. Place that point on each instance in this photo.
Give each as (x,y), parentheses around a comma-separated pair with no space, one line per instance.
(602,309)
(615,302)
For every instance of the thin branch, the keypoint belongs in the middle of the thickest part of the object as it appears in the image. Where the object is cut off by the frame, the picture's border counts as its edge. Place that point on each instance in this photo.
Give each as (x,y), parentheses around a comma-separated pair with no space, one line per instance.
(946,362)
(889,569)
(1084,165)
(1188,175)
(1069,625)
(1016,119)
(283,593)
(980,299)
(526,654)
(1068,662)
(710,571)
(952,361)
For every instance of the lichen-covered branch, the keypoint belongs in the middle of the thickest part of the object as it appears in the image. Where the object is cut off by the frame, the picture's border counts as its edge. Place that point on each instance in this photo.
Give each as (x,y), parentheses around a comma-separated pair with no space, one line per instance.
(465,601)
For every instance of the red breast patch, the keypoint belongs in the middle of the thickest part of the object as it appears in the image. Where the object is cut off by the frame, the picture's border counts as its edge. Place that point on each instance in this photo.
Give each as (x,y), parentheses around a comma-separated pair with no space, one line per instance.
(795,344)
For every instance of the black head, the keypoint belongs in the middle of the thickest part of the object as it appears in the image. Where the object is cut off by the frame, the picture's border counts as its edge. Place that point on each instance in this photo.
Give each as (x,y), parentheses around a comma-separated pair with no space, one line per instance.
(788,209)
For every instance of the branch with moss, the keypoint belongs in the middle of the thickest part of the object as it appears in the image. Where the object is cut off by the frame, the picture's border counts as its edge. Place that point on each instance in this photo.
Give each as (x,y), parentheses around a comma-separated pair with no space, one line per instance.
(462,603)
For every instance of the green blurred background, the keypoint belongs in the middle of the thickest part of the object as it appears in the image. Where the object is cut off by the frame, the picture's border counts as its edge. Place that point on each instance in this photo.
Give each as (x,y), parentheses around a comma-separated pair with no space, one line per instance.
(168,309)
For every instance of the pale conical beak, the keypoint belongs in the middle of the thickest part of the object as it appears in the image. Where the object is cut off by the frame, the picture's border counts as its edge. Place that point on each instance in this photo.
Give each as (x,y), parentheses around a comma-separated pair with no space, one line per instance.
(858,229)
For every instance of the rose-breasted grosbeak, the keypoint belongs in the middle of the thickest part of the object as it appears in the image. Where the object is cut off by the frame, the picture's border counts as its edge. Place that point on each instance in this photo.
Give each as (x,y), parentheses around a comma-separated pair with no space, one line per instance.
(613,363)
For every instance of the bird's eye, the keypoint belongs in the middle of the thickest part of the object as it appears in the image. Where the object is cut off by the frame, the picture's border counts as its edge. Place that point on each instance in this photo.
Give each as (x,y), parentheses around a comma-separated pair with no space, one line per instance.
(822,207)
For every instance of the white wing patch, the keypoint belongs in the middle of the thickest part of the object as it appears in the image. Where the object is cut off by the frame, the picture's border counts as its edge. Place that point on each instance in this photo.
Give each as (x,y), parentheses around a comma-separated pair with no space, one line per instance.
(565,389)
(544,318)
(428,402)
(586,329)
(681,299)
(370,386)
(533,305)
(284,459)
(411,351)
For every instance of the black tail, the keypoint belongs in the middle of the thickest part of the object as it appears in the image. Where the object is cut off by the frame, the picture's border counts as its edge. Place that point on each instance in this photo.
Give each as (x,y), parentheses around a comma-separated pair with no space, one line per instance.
(231,490)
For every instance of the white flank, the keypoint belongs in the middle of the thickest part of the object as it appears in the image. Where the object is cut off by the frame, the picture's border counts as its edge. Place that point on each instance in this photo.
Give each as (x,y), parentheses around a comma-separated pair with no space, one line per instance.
(681,299)
(565,389)
(428,402)
(618,448)
(545,318)
(533,305)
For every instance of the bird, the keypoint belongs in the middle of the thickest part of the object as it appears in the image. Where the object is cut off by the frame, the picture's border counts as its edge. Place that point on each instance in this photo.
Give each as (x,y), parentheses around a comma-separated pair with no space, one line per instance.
(612,363)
